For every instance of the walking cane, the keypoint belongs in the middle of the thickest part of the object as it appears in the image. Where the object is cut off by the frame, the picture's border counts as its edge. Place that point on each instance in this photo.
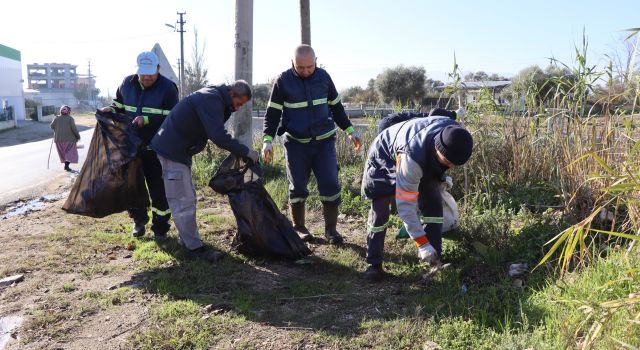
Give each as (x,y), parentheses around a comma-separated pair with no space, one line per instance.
(50,147)
(49,158)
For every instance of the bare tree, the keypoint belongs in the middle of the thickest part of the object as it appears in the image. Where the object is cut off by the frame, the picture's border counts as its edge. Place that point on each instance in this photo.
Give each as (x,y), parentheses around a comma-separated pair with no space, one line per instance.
(195,72)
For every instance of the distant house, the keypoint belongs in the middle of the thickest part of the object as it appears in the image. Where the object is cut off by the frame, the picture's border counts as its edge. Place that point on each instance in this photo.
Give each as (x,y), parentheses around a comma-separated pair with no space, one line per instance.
(56,83)
(470,90)
(11,97)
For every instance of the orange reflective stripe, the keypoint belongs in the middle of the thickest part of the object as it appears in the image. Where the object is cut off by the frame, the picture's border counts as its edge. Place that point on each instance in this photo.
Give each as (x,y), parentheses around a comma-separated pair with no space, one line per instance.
(399,196)
(422,240)
(406,192)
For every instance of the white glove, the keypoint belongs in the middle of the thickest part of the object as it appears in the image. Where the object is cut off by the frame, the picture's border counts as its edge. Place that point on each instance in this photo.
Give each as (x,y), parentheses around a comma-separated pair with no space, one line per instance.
(449,182)
(267,152)
(460,113)
(427,253)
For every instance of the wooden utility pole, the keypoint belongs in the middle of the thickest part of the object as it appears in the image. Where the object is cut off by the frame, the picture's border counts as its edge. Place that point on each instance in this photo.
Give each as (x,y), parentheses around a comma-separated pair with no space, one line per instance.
(241,126)
(305,22)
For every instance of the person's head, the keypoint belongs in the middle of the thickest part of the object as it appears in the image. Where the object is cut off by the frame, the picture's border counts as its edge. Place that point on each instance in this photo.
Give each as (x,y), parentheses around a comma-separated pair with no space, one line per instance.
(148,68)
(304,61)
(64,110)
(453,146)
(240,92)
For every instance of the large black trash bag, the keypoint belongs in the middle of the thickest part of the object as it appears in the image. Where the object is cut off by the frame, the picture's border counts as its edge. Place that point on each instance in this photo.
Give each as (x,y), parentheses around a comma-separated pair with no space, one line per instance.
(111,179)
(262,229)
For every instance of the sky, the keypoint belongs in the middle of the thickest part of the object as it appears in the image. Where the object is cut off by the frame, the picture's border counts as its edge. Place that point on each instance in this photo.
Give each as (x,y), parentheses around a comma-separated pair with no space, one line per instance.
(355,40)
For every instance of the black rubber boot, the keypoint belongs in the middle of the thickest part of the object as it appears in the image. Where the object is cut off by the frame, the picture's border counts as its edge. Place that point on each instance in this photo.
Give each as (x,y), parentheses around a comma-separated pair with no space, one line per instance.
(374,273)
(297,211)
(138,230)
(330,212)
(66,166)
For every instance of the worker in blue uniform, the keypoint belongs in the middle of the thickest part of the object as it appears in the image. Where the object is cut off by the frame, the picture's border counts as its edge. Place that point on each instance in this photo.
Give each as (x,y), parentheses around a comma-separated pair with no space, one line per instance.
(148,97)
(305,107)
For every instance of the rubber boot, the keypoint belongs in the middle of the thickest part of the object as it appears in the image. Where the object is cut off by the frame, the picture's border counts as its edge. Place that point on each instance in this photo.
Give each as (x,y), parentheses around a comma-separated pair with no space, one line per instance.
(374,273)
(297,211)
(66,166)
(330,212)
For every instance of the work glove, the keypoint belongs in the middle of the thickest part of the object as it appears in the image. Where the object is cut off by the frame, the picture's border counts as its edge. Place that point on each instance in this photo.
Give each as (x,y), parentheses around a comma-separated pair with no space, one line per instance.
(449,182)
(139,120)
(253,155)
(427,253)
(267,152)
(355,139)
(460,113)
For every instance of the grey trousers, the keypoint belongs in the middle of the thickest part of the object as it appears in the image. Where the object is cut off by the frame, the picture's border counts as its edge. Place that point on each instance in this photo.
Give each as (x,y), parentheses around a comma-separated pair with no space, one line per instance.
(181,195)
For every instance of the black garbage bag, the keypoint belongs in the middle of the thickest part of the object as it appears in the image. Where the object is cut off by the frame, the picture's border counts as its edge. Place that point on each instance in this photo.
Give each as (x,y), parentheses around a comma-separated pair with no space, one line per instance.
(111,179)
(262,229)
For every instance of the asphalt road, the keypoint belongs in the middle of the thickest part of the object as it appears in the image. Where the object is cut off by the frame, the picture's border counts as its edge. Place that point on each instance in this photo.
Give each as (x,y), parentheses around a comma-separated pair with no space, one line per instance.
(23,168)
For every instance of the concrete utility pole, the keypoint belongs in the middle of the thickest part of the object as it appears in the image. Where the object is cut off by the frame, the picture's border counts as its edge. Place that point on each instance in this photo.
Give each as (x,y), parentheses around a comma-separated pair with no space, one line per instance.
(90,89)
(305,22)
(181,22)
(241,127)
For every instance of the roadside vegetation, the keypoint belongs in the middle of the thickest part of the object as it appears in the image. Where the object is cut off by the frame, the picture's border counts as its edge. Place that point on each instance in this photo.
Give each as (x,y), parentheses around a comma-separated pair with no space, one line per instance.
(554,185)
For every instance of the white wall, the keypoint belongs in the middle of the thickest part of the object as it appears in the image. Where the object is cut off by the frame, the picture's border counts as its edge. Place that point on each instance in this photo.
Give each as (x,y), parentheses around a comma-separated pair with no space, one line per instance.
(11,85)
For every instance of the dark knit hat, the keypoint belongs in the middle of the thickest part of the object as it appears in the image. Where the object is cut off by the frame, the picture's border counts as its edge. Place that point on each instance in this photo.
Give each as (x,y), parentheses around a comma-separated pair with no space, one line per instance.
(443,113)
(455,143)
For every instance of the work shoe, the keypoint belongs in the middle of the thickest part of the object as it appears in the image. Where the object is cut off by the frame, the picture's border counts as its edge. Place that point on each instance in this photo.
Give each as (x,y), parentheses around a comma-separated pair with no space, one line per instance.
(138,230)
(297,211)
(330,213)
(374,273)
(203,253)
(160,237)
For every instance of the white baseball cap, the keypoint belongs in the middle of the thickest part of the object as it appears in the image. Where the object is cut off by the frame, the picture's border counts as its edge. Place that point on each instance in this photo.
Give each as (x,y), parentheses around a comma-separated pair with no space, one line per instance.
(147,63)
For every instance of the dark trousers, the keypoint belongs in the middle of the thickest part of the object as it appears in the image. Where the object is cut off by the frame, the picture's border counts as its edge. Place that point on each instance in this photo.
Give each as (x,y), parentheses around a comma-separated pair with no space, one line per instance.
(430,205)
(319,157)
(159,205)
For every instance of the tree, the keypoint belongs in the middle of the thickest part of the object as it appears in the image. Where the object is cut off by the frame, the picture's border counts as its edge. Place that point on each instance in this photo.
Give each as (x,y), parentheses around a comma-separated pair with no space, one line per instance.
(537,85)
(431,86)
(357,94)
(401,84)
(351,94)
(261,94)
(195,74)
(483,76)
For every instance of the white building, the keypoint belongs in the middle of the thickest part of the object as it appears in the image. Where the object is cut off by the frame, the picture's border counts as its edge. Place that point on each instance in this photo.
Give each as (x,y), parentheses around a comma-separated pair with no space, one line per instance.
(56,83)
(11,97)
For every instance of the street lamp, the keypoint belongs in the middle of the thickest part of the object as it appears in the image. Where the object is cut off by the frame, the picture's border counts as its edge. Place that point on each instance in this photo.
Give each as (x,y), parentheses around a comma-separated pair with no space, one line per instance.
(175,28)
(180,61)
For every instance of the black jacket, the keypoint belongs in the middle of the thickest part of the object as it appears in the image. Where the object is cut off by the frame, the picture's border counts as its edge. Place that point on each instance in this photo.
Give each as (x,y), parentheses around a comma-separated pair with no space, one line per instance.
(153,103)
(194,120)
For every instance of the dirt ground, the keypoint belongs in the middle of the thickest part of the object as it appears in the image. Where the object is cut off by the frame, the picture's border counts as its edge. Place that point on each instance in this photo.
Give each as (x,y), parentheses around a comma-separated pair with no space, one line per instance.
(70,299)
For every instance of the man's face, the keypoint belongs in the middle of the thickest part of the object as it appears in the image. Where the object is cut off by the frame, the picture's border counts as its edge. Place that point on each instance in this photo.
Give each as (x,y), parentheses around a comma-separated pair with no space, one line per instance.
(238,101)
(305,65)
(147,80)
(444,161)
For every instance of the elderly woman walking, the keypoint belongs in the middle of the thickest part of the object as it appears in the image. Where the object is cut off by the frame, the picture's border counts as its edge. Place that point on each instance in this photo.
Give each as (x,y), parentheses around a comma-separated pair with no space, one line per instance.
(66,136)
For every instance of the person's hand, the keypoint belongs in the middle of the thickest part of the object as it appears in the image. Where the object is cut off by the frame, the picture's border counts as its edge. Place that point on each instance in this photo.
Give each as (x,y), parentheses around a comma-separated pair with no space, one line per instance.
(355,139)
(107,110)
(460,113)
(253,155)
(139,120)
(267,152)
(428,254)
